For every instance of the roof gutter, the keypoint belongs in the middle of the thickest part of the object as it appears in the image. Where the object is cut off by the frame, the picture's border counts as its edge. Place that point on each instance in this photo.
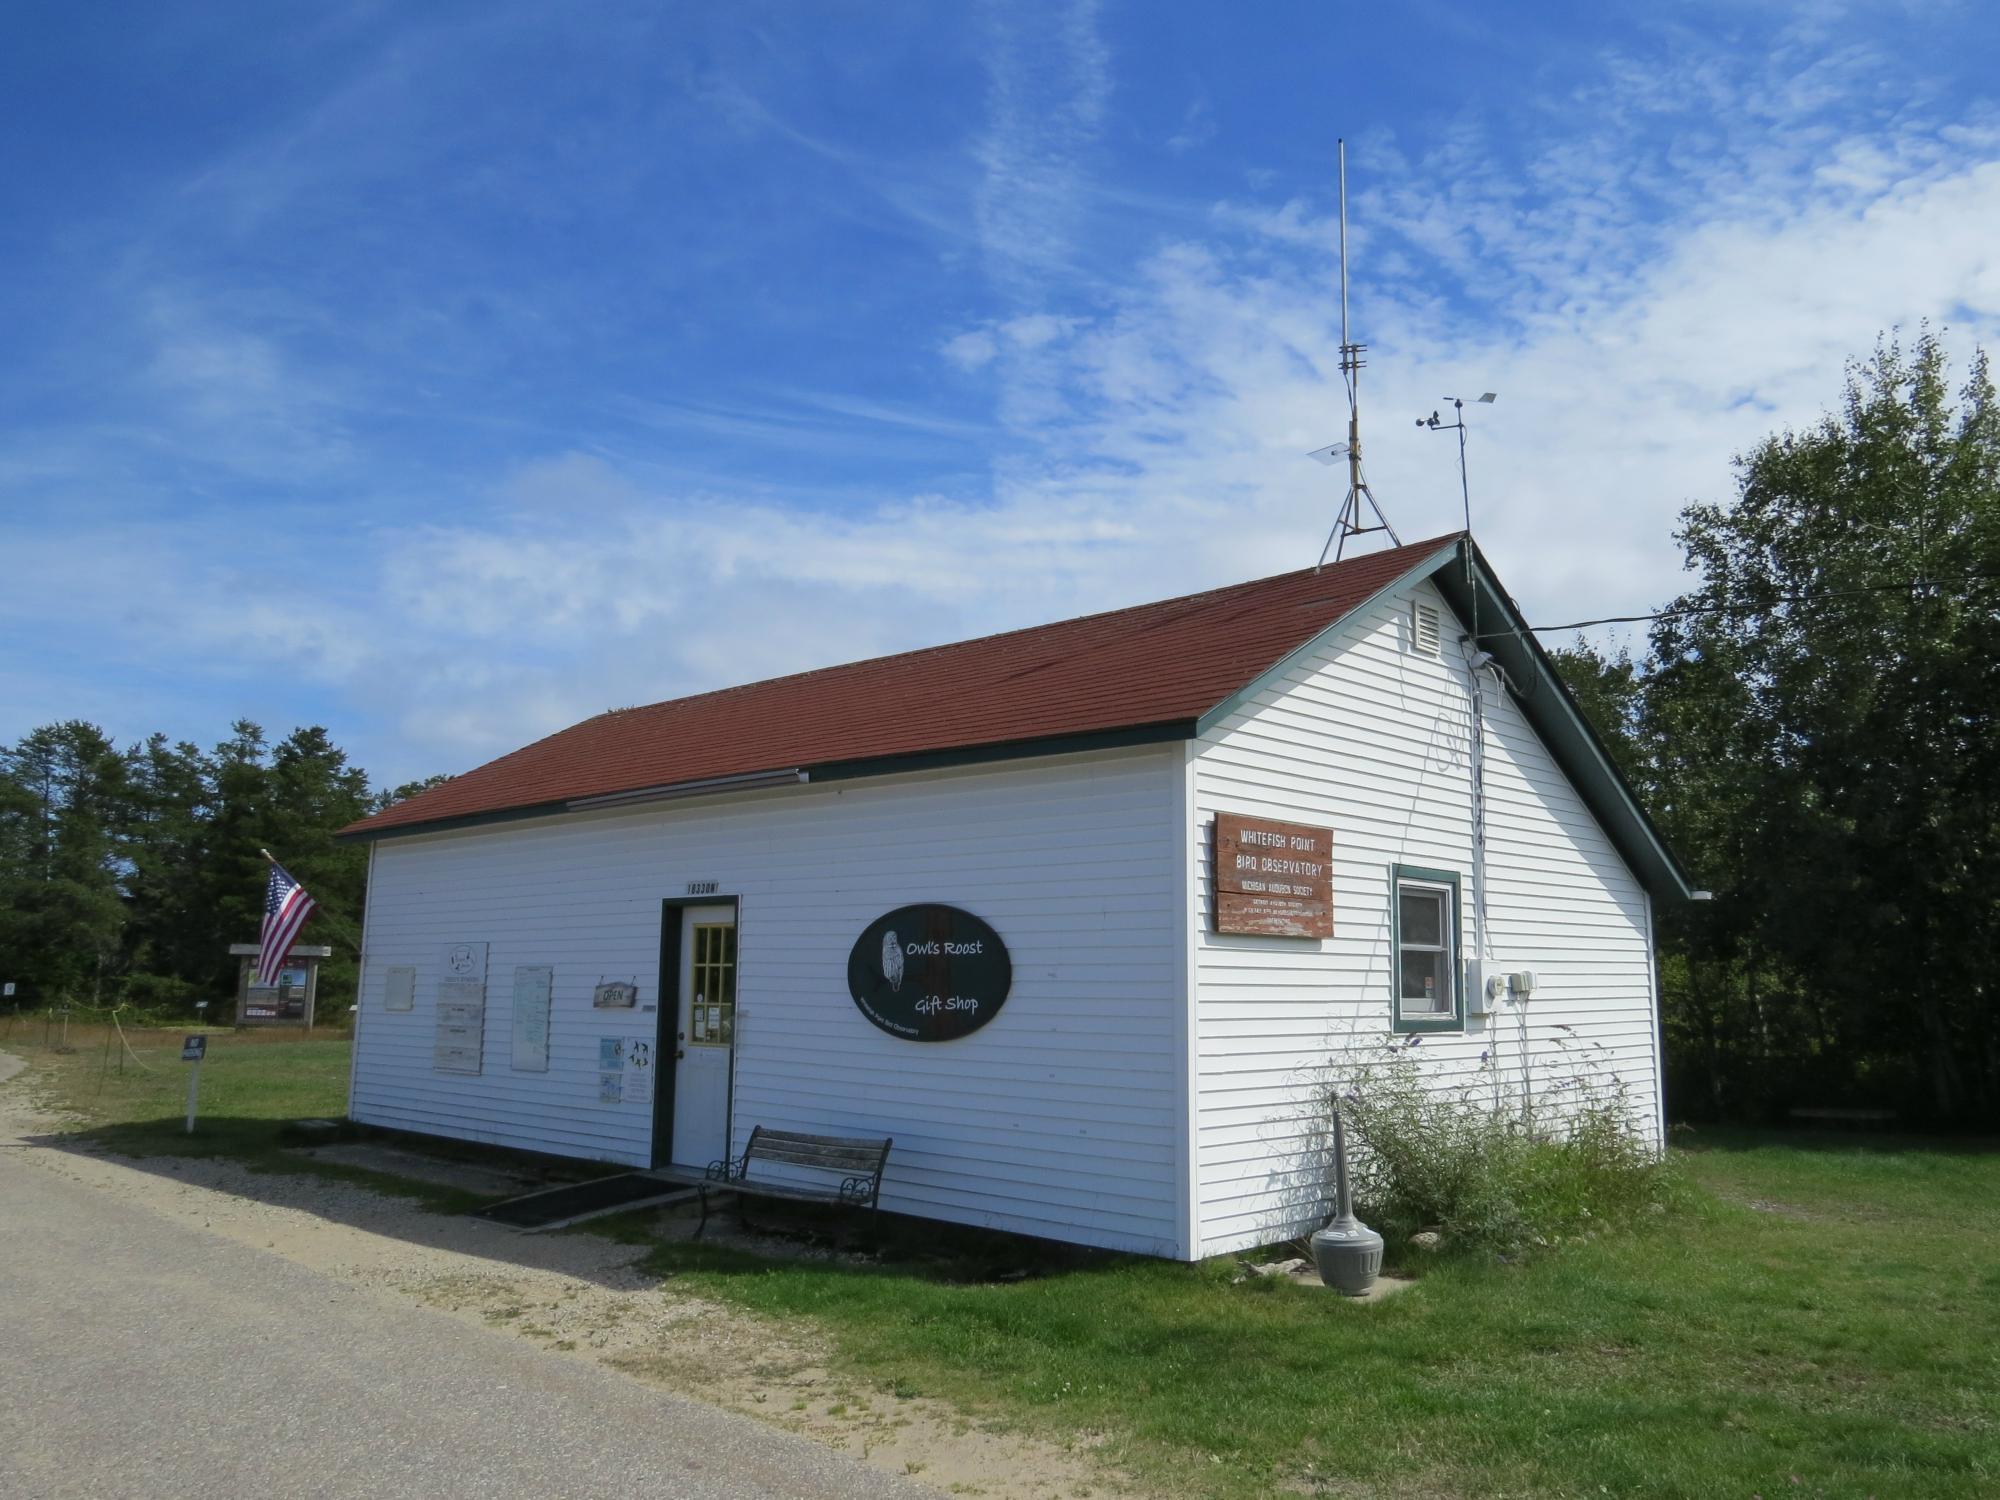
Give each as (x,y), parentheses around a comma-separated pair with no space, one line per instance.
(845,770)
(711,786)
(674,791)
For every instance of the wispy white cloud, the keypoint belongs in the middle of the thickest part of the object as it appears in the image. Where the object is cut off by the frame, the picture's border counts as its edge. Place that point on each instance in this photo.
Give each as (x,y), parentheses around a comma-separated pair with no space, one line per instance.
(1197,127)
(1049,81)
(1674,260)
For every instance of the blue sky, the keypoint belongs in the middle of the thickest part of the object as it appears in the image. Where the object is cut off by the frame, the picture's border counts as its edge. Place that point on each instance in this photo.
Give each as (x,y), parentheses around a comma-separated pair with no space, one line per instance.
(446,374)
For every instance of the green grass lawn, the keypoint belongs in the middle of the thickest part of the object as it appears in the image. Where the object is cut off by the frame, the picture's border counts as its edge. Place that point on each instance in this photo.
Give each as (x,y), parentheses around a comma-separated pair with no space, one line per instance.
(1821,1316)
(252,1084)
(1846,1332)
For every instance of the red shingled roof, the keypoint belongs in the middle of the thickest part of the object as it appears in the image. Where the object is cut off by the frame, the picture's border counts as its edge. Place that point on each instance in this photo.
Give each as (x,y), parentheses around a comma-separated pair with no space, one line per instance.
(1153,665)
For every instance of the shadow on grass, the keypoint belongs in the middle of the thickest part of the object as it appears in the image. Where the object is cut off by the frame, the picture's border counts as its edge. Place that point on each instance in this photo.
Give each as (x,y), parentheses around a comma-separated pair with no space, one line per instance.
(1829,1139)
(252,1158)
(826,1239)
(759,1236)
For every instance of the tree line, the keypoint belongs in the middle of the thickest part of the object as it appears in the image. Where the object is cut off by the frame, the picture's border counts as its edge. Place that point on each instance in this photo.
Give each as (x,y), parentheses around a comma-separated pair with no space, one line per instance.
(1813,724)
(126,873)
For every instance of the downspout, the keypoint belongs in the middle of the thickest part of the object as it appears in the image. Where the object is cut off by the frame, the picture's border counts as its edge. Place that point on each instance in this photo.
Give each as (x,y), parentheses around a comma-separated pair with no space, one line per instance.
(1477,663)
(1659,1040)
(1187,1081)
(360,980)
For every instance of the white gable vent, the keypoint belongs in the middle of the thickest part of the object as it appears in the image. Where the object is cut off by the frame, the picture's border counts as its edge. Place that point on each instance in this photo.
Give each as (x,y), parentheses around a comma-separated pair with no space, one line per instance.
(1424,629)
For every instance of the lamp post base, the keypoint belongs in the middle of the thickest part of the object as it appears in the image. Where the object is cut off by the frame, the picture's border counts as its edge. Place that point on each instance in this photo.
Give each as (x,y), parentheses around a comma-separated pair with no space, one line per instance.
(1349,1255)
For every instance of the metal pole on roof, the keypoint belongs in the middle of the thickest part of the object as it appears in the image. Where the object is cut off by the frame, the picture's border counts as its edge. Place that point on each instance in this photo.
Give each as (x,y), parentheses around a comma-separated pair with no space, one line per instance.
(1349,522)
(1350,357)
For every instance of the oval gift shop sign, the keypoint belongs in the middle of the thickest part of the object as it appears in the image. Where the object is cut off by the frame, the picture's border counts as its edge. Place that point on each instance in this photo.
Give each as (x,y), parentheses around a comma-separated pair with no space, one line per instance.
(929,973)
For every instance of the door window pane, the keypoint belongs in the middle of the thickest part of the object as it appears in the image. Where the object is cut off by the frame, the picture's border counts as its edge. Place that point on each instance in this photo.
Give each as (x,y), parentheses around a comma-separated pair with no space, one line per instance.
(712,978)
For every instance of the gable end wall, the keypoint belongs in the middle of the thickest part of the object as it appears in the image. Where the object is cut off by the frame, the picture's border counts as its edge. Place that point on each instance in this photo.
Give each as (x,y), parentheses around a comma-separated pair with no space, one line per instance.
(1366,737)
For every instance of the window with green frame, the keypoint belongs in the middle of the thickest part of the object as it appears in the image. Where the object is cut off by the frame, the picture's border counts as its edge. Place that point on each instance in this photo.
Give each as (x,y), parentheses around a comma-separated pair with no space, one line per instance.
(1427,982)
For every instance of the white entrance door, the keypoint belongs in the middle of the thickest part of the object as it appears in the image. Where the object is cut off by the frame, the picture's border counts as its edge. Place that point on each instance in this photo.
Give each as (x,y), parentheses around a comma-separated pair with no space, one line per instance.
(706,1035)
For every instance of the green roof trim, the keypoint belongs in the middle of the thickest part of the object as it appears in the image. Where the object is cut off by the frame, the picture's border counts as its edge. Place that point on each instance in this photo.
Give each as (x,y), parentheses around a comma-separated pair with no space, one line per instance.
(447,825)
(1536,688)
(1546,703)
(1161,733)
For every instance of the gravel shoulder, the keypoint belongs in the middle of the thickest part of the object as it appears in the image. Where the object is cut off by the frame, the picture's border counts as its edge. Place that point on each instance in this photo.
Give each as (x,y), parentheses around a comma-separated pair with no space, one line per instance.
(570,1296)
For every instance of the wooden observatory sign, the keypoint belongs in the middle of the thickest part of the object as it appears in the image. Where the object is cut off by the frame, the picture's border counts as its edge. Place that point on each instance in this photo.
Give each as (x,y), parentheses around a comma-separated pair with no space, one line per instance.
(1272,879)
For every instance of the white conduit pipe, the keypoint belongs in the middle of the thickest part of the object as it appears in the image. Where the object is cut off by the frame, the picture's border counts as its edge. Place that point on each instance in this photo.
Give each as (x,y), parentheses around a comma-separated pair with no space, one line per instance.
(1477,663)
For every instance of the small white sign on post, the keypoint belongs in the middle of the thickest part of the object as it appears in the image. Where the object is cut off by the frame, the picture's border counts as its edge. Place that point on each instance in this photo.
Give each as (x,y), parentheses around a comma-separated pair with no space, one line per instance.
(193,1050)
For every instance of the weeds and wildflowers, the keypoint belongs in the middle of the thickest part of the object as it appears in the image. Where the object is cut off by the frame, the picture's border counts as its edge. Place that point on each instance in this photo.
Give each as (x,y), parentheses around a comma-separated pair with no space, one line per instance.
(1491,1164)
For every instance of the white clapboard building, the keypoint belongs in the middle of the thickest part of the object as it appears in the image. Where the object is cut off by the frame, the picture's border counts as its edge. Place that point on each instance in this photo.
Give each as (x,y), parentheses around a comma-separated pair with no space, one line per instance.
(1079,915)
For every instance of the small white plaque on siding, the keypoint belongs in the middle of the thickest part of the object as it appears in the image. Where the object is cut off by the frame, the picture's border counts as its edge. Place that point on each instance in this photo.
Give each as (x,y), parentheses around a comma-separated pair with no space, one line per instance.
(399,988)
(532,984)
(465,961)
(461,1025)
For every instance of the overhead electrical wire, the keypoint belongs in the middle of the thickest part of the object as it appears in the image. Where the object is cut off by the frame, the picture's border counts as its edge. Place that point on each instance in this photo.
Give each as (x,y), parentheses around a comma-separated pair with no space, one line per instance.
(1726,609)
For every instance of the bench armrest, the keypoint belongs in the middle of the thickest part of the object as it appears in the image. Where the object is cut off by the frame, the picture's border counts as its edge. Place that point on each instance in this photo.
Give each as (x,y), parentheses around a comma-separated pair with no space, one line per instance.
(860,1189)
(728,1169)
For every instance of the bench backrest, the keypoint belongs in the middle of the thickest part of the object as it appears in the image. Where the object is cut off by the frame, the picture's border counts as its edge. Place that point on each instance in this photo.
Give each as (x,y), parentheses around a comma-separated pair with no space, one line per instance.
(847,1156)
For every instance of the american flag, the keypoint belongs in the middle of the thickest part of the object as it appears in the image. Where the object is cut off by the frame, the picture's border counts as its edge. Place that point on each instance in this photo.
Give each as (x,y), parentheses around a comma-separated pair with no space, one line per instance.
(286,907)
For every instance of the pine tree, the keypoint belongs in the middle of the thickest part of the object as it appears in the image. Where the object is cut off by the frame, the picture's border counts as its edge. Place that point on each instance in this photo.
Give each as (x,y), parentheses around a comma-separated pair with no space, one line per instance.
(62,907)
(233,868)
(313,793)
(167,936)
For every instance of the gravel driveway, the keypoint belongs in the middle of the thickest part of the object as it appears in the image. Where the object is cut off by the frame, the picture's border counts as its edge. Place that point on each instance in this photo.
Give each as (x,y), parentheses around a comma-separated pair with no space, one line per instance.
(142,1353)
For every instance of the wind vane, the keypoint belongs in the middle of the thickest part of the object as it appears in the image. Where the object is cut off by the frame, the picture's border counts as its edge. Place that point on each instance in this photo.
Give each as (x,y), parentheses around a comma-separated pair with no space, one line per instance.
(1352,520)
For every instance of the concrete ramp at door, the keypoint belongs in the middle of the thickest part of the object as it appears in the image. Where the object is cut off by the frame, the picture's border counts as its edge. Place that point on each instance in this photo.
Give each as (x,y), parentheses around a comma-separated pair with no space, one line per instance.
(557,1208)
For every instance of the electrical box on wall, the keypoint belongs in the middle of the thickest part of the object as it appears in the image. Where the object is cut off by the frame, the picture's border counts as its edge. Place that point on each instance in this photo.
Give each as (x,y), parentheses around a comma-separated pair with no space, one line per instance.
(1479,991)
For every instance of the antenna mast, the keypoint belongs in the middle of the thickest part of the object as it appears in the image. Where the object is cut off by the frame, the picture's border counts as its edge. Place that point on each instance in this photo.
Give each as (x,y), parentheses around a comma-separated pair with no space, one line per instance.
(1349,523)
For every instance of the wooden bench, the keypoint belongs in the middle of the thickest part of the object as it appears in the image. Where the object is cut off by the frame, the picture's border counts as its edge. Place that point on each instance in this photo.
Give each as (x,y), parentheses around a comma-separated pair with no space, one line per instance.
(856,1161)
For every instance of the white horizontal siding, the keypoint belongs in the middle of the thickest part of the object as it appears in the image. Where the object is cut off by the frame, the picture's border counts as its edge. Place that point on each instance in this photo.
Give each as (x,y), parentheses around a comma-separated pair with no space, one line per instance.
(1372,740)
(1057,1118)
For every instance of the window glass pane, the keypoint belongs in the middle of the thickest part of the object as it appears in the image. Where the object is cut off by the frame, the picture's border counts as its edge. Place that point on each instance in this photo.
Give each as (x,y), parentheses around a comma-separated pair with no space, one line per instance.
(1424,987)
(1422,917)
(713,975)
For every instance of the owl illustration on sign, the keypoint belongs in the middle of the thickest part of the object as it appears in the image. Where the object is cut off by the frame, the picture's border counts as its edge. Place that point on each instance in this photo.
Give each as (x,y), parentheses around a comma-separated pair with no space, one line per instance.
(892,960)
